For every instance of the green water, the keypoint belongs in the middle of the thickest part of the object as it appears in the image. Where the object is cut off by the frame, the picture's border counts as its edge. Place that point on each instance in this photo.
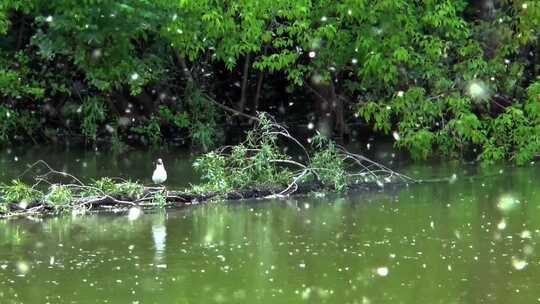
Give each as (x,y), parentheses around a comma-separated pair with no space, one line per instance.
(470,241)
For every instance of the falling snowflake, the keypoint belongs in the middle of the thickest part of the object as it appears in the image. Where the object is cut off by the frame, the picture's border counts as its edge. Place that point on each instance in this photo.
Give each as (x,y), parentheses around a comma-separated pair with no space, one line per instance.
(396,136)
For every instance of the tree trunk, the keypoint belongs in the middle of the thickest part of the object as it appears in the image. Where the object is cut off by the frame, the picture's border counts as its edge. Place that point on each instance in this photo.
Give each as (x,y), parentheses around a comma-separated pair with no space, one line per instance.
(243,96)
(325,99)
(185,70)
(256,100)
(20,33)
(330,110)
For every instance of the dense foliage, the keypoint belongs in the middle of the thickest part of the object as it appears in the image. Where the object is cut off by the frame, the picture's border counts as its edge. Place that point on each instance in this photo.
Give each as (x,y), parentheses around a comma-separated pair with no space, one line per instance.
(441,76)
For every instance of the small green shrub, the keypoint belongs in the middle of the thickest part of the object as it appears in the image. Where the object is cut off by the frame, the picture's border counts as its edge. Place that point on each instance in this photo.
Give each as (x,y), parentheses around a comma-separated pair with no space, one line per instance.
(328,163)
(257,162)
(159,199)
(19,192)
(59,196)
(124,189)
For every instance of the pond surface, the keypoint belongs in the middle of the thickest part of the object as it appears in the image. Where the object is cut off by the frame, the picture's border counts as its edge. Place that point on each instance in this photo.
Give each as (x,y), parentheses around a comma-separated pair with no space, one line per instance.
(473,240)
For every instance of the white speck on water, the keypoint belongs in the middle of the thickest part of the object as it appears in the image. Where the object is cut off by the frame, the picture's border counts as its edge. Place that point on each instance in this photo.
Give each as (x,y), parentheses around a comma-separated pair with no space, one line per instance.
(526,234)
(306,293)
(382,271)
(3,266)
(525,5)
(324,19)
(368,146)
(179,31)
(310,126)
(312,54)
(22,267)
(432,225)
(51,260)
(453,178)
(49,19)
(161,266)
(134,76)
(349,12)
(501,225)
(16,159)
(507,203)
(354,61)
(519,264)
(8,114)
(302,265)
(400,93)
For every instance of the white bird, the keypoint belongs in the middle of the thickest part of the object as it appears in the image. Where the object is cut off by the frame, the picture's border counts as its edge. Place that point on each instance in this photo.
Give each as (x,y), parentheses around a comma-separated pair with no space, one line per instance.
(160,175)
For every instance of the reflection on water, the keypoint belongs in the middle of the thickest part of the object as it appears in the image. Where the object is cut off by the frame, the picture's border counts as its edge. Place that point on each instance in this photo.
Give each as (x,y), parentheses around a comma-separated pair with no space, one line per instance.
(471,241)
(159,235)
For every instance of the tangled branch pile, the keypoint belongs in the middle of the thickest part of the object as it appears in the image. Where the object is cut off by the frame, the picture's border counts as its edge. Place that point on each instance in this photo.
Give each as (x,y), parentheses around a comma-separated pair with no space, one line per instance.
(262,162)
(259,167)
(49,195)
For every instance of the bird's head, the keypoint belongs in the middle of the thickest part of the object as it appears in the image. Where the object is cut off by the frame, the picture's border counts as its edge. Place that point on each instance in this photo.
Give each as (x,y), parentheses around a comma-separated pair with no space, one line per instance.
(159,161)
